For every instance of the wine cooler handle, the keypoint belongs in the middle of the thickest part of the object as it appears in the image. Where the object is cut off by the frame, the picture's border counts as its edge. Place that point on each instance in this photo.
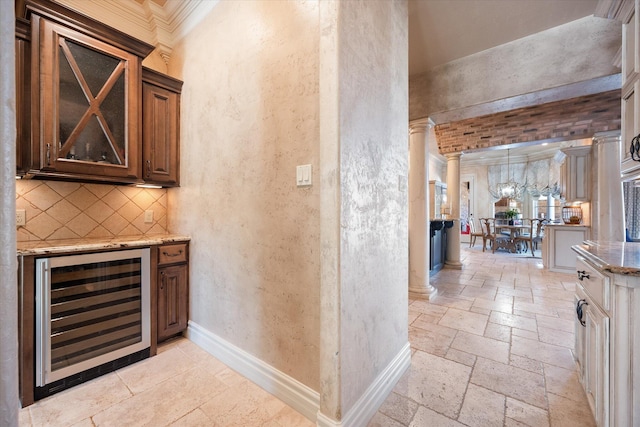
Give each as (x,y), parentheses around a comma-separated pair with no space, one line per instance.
(579,311)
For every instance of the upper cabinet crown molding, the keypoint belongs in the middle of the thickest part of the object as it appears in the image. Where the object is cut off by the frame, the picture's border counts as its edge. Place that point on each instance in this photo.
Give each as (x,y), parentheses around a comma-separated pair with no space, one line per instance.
(161,24)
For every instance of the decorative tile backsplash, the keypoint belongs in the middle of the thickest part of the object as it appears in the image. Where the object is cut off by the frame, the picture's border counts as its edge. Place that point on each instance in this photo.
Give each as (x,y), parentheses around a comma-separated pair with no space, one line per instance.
(69,210)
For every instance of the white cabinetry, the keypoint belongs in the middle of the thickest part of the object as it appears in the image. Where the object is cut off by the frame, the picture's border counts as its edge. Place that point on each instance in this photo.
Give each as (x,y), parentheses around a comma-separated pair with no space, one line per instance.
(630,86)
(592,340)
(556,245)
(575,173)
(608,341)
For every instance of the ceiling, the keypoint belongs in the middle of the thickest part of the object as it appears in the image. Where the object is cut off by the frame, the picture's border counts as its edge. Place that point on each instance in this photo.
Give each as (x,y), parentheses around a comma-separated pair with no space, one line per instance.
(441,31)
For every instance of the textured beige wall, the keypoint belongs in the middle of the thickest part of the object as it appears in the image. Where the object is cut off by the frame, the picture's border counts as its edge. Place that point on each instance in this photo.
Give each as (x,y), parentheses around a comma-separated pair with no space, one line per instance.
(249,116)
(374,144)
(575,52)
(70,210)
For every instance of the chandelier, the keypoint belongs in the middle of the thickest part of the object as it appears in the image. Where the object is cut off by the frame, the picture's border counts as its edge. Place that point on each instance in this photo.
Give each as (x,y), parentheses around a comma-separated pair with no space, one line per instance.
(510,189)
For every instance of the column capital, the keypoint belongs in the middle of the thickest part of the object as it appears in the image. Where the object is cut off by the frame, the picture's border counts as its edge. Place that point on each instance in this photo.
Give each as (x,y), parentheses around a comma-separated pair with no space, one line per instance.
(420,125)
(604,137)
(452,156)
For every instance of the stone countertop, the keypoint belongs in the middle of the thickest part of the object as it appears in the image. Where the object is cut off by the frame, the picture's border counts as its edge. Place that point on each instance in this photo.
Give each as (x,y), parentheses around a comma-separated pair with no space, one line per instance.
(89,244)
(562,224)
(614,257)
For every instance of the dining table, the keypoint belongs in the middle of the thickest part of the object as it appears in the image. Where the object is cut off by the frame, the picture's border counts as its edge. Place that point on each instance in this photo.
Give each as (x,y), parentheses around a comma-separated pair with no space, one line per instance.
(510,243)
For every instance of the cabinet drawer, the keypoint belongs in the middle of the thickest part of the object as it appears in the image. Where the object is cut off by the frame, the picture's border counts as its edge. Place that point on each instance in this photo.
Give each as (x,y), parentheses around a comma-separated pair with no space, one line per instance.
(171,254)
(595,284)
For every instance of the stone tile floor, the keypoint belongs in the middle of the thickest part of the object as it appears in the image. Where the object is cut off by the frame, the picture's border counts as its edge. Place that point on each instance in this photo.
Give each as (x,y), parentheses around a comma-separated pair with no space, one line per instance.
(492,349)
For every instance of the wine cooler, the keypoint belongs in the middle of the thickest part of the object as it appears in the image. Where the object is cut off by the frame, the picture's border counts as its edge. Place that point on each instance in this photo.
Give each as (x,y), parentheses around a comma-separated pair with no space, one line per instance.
(91,309)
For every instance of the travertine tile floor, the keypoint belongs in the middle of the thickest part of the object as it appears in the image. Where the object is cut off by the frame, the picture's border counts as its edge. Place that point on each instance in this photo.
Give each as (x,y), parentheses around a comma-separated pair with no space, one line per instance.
(493,349)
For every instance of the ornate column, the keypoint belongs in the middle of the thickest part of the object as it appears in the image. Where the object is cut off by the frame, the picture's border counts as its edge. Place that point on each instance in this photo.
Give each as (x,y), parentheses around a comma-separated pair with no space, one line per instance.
(453,199)
(419,237)
(607,207)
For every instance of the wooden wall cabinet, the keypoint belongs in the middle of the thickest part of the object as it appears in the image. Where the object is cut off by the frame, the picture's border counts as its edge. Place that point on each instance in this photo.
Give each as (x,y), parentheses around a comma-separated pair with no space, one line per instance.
(86,109)
(172,290)
(160,128)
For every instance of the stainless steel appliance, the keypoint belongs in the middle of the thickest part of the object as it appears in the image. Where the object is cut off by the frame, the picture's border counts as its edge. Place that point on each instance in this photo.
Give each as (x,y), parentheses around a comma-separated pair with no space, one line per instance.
(91,309)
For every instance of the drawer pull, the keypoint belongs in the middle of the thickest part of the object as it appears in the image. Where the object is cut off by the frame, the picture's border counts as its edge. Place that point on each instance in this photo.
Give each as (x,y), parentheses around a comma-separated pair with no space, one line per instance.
(579,311)
(165,253)
(583,275)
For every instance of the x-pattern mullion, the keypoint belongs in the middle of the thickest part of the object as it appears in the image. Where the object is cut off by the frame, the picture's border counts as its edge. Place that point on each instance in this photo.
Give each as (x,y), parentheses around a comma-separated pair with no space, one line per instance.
(94,104)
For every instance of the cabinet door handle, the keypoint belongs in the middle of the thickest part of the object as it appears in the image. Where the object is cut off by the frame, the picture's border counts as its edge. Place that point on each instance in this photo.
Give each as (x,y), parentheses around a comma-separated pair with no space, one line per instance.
(162,281)
(579,311)
(635,148)
(48,154)
(583,275)
(148,168)
(165,253)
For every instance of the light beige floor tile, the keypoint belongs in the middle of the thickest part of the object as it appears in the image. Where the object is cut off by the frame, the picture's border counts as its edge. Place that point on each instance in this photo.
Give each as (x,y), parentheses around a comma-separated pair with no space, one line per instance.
(514,321)
(481,346)
(504,307)
(167,364)
(479,310)
(543,352)
(556,323)
(556,337)
(524,334)
(527,364)
(413,315)
(431,338)
(475,292)
(510,381)
(84,423)
(436,383)
(524,313)
(426,417)
(399,408)
(461,357)
(287,417)
(381,420)
(244,405)
(498,332)
(567,413)
(24,418)
(464,321)
(195,418)
(80,402)
(482,407)
(526,414)
(459,303)
(426,308)
(163,403)
(564,382)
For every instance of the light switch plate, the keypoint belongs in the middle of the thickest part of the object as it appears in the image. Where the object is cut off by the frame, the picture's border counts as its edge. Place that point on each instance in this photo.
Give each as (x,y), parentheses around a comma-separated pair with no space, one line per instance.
(148,217)
(303,176)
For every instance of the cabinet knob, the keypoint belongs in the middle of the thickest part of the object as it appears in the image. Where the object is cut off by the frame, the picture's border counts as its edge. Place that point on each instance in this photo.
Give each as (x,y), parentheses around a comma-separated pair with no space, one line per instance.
(583,275)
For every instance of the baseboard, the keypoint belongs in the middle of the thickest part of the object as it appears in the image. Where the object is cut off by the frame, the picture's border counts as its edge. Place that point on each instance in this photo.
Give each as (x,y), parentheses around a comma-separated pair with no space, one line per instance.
(368,404)
(295,394)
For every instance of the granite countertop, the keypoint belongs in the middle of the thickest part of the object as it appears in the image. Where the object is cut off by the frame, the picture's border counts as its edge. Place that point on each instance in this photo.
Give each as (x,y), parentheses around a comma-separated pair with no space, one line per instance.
(88,244)
(614,257)
(562,224)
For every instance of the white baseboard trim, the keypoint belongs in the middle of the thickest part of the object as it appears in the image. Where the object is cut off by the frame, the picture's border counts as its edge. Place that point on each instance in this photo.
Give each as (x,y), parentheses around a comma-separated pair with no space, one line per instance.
(295,394)
(368,404)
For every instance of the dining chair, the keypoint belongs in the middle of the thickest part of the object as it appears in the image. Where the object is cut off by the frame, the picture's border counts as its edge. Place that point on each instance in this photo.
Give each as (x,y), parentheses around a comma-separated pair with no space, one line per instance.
(490,234)
(541,223)
(475,233)
(534,235)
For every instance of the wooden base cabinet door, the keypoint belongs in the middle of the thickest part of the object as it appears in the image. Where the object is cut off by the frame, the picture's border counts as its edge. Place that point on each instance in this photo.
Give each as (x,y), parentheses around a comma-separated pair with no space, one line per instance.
(173,300)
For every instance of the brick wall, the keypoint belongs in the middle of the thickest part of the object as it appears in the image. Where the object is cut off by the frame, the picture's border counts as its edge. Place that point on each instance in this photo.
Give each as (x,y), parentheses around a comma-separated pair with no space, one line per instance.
(569,119)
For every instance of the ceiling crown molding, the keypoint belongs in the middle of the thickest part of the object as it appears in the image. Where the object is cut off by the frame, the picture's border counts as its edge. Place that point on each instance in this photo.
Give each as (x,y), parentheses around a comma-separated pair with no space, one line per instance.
(161,25)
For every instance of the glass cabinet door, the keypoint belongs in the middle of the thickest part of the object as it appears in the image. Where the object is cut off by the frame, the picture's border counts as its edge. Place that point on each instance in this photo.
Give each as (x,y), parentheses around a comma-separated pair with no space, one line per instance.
(90,105)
